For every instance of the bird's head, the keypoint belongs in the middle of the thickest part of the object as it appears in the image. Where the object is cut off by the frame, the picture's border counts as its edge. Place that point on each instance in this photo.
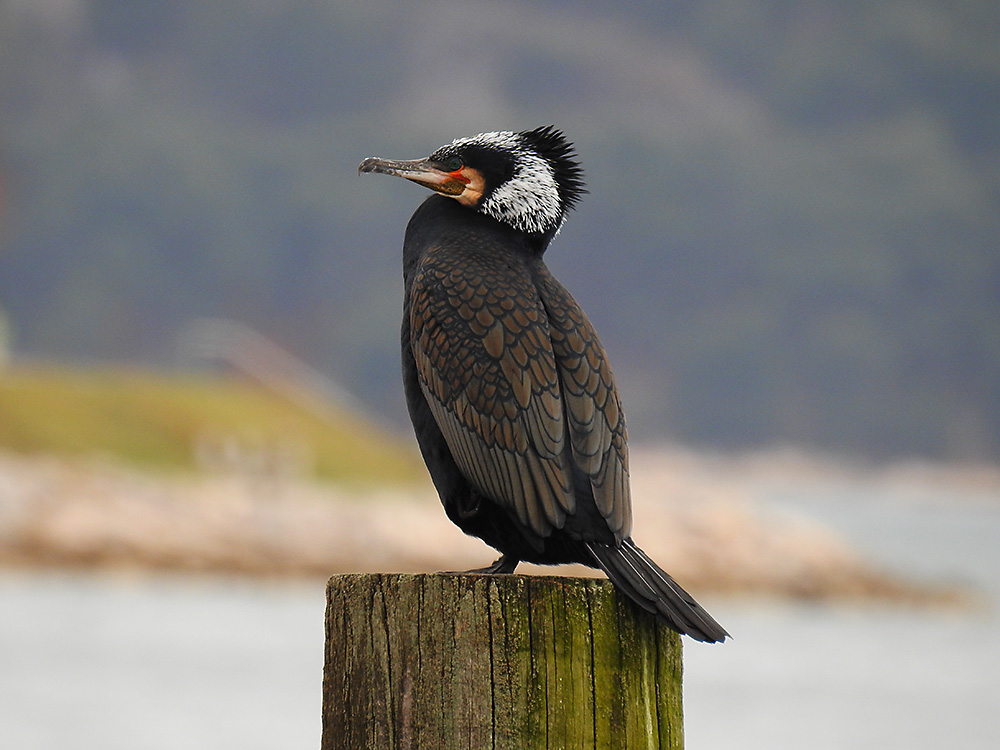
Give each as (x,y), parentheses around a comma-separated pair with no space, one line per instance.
(528,180)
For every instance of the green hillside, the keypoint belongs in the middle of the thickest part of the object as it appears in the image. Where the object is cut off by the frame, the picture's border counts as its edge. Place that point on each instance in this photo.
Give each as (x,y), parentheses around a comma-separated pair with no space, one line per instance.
(169,421)
(790,236)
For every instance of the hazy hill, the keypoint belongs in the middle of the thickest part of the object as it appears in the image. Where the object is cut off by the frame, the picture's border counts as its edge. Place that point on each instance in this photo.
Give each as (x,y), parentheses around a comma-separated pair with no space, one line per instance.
(222,425)
(791,233)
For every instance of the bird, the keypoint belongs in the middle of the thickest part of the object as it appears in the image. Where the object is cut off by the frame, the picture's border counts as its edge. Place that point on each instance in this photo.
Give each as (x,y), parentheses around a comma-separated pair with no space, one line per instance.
(512,400)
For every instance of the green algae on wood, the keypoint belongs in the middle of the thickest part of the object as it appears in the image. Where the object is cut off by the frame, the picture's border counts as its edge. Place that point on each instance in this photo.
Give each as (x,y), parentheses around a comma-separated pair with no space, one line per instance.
(455,662)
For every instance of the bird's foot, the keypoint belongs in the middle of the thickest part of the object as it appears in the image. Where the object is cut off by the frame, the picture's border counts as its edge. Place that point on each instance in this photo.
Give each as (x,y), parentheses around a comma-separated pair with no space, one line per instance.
(505,565)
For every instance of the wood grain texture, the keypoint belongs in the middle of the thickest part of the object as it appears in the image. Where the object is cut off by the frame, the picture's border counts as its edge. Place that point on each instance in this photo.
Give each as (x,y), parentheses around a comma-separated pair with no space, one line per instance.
(456,662)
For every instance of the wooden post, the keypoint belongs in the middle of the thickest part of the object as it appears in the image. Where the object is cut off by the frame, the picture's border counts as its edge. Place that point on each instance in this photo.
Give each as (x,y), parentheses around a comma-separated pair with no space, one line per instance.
(506,662)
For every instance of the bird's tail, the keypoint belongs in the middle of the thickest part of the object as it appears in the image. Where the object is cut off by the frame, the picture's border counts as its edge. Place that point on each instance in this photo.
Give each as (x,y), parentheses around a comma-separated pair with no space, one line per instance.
(642,580)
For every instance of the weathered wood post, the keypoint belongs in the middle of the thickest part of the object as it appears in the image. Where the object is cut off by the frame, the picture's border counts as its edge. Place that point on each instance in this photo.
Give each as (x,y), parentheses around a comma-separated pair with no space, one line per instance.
(482,662)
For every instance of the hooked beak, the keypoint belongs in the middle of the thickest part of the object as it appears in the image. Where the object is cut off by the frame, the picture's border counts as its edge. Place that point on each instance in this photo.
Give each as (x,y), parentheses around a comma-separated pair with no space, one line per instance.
(421,171)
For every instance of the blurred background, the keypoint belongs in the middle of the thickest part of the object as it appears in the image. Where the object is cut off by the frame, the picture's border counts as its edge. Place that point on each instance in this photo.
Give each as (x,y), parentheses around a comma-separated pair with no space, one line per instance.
(789,249)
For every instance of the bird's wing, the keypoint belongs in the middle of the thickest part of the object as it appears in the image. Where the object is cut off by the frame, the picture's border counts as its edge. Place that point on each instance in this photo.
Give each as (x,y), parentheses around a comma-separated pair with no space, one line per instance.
(593,408)
(484,357)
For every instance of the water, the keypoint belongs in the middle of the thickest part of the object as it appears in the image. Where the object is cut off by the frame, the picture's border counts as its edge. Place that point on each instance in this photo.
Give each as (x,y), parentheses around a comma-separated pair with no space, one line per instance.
(868,678)
(143,664)
(864,677)
(149,665)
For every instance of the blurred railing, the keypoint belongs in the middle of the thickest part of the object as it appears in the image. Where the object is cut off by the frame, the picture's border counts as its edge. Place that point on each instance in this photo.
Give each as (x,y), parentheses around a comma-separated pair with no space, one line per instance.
(256,356)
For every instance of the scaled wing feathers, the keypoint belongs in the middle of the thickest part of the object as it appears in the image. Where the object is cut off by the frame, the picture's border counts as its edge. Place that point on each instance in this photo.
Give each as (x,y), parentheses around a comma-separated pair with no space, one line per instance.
(483,355)
(518,383)
(593,409)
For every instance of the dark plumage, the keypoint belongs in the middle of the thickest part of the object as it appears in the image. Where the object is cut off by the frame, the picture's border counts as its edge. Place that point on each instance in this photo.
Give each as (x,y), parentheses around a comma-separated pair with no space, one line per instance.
(508,387)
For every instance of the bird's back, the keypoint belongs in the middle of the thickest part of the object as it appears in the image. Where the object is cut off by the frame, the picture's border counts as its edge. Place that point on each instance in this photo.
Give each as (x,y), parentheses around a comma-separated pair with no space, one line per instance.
(515,378)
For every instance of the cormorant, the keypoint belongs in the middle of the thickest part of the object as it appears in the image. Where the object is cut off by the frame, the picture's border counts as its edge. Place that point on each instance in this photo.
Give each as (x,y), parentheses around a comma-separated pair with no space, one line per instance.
(508,387)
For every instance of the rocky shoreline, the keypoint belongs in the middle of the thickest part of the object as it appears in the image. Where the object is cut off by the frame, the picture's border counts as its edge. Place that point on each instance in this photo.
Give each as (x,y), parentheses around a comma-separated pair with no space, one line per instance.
(695,517)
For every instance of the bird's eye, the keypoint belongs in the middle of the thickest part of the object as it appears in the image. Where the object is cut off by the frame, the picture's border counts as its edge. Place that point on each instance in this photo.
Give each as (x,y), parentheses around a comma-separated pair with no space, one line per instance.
(454,164)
